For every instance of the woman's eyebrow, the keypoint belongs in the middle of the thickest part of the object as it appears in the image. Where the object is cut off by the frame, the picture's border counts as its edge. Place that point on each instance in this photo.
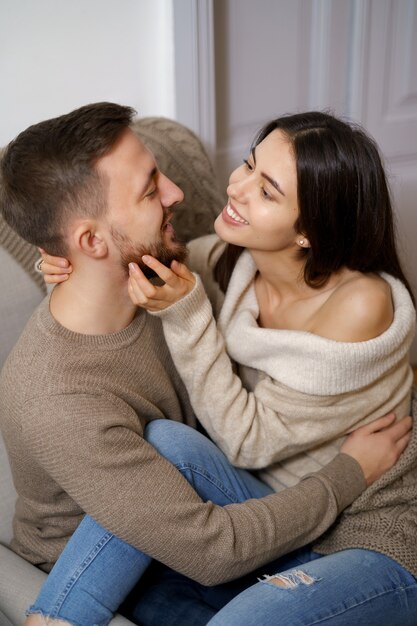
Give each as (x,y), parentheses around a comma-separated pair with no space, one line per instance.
(273,183)
(267,177)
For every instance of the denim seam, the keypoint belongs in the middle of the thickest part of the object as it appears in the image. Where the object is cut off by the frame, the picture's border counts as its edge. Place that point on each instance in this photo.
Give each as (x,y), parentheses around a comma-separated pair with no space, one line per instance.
(87,561)
(213,479)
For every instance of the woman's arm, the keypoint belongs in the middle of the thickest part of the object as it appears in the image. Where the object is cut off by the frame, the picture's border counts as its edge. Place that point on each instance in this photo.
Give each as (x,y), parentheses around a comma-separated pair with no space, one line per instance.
(248,426)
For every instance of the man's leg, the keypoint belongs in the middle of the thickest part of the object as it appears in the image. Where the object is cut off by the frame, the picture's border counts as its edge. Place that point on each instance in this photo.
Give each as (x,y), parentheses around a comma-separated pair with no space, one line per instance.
(358,587)
(97,570)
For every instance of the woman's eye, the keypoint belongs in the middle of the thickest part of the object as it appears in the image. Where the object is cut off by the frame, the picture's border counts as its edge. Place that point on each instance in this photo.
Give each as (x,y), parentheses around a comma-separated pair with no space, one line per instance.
(248,165)
(265,194)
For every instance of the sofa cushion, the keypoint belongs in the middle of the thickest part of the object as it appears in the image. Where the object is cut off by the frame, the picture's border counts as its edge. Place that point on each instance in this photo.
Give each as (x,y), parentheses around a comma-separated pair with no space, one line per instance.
(20,296)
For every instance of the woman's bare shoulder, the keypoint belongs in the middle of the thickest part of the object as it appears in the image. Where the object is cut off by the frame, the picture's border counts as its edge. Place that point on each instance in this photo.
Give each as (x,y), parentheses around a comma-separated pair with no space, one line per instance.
(359,309)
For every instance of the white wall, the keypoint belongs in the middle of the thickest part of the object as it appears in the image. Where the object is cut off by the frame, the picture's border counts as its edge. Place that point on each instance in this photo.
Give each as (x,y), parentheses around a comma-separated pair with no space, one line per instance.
(56,55)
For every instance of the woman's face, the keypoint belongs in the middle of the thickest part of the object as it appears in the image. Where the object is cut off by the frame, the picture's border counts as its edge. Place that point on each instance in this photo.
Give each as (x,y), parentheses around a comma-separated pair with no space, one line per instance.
(262,207)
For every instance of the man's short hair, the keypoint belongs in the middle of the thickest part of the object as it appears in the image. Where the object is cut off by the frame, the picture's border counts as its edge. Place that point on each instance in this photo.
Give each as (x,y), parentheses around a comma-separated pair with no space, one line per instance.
(48,173)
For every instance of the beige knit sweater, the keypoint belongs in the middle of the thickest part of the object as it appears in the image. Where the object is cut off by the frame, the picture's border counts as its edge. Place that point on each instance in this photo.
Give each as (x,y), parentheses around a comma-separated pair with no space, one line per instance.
(72,412)
(294,394)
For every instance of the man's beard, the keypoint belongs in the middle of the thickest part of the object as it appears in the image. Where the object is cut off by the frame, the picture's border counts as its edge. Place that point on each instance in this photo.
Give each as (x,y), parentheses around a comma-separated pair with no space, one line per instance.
(133,253)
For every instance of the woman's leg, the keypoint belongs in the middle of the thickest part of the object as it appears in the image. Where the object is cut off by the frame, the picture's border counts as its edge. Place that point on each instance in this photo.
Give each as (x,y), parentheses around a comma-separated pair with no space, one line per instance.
(97,570)
(166,597)
(203,464)
(358,587)
(91,578)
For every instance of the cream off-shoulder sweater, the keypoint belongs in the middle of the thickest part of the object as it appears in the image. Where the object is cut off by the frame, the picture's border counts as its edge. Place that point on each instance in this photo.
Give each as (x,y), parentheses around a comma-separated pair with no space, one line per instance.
(275,400)
(296,395)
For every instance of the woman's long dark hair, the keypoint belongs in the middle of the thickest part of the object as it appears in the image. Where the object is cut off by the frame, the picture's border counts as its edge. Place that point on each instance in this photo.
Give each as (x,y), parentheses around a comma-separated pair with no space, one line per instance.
(343,198)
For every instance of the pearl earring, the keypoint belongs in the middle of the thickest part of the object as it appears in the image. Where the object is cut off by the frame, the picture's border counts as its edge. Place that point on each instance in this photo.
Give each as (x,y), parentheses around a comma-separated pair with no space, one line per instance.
(301,242)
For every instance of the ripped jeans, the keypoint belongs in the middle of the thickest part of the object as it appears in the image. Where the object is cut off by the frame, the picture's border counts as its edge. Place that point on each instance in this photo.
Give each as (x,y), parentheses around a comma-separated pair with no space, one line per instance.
(97,571)
(349,588)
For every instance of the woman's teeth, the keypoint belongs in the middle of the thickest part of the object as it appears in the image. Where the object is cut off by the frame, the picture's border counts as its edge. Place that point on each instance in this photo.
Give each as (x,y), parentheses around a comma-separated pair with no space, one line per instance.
(234,215)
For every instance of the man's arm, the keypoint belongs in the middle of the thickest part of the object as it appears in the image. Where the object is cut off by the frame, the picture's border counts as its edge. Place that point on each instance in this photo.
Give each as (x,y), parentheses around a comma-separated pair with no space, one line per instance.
(97,455)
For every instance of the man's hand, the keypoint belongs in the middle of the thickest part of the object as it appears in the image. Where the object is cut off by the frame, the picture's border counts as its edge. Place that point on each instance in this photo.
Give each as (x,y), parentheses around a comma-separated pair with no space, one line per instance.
(178,279)
(377,446)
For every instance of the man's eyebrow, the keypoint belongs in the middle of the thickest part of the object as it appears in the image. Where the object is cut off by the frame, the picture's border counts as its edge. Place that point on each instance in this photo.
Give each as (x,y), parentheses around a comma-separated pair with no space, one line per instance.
(152,174)
(268,178)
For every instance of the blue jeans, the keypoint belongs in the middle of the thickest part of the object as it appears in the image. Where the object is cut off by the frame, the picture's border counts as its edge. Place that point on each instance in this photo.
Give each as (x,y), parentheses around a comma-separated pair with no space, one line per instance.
(97,570)
(359,587)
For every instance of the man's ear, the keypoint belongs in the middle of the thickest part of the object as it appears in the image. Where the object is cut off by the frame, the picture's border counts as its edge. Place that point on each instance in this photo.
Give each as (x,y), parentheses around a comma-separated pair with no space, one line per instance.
(88,238)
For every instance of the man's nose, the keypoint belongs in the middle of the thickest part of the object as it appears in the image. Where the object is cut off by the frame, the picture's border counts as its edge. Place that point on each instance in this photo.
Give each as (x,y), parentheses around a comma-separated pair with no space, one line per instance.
(170,193)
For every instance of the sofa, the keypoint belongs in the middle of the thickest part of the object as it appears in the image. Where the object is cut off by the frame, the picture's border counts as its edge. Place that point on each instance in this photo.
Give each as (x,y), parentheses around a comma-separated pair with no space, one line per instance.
(180,155)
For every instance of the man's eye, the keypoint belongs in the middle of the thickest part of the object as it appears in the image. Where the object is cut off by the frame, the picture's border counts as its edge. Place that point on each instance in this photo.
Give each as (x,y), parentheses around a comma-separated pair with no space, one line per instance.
(151,193)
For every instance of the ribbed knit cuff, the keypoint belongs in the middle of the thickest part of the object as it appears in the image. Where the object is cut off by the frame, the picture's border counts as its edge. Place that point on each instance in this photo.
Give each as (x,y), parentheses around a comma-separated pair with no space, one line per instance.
(347,478)
(194,308)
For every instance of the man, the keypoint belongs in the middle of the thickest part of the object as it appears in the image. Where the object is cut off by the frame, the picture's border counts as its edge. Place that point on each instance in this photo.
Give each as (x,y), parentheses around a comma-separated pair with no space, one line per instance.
(90,371)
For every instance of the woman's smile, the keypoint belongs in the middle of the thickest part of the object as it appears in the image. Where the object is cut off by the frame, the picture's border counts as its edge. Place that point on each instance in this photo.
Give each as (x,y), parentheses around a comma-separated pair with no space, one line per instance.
(231,216)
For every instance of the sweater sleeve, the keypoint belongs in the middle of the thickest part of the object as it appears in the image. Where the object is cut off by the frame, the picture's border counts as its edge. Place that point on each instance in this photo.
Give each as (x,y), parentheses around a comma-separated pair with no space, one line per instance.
(251,427)
(97,455)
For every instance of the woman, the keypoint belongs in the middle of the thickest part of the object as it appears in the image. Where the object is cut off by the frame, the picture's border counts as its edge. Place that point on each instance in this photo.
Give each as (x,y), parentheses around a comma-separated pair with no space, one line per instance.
(318,319)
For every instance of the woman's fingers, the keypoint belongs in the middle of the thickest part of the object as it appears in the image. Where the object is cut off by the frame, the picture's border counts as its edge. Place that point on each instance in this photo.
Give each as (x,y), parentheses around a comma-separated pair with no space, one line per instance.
(182,270)
(53,266)
(135,294)
(160,269)
(55,279)
(171,275)
(54,269)
(56,261)
(157,297)
(49,267)
(139,286)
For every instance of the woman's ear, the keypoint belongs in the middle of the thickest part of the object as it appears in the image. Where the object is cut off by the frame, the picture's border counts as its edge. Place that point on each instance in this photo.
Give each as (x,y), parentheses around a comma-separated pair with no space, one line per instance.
(88,239)
(302,241)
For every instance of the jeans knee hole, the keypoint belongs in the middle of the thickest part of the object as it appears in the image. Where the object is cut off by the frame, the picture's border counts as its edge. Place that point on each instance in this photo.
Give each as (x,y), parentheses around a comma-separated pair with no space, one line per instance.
(289,581)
